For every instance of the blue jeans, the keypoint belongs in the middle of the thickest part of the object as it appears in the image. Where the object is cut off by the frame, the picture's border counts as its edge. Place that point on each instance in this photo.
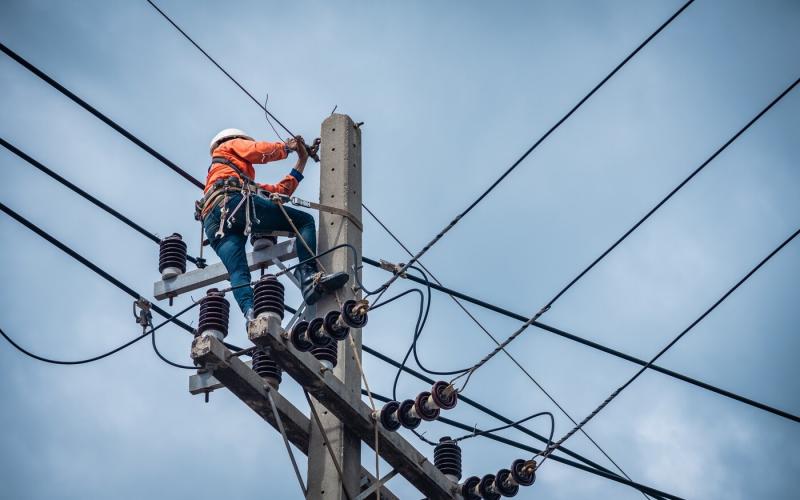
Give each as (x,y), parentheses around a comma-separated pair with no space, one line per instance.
(231,247)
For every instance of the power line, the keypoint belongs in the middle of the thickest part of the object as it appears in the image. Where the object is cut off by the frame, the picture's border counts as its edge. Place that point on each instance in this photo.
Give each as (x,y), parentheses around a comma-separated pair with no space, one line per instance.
(672,343)
(131,292)
(215,63)
(711,158)
(136,227)
(535,145)
(86,262)
(483,409)
(151,331)
(486,331)
(516,444)
(111,123)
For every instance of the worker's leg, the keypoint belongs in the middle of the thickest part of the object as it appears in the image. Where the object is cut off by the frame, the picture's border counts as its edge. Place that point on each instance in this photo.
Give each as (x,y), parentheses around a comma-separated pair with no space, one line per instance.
(231,251)
(271,218)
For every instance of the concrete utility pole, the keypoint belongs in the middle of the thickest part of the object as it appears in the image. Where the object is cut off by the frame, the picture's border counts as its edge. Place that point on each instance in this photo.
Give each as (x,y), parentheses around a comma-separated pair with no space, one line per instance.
(339,186)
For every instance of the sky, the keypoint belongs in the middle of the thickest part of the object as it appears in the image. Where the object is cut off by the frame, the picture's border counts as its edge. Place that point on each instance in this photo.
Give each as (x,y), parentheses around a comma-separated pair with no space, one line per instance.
(451,94)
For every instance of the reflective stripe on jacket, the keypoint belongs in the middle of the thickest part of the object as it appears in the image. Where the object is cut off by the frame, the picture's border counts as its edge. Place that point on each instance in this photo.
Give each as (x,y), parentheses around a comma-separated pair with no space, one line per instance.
(244,153)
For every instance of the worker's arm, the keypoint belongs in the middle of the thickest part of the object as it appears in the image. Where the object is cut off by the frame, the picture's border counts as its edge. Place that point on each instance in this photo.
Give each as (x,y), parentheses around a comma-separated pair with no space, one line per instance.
(258,152)
(288,184)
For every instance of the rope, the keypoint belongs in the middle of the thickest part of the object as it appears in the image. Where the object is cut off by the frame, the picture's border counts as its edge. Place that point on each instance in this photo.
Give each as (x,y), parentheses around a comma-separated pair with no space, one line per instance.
(279,422)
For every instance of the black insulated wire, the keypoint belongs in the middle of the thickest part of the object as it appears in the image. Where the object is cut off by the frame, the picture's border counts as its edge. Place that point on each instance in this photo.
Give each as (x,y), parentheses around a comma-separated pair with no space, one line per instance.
(669,346)
(534,146)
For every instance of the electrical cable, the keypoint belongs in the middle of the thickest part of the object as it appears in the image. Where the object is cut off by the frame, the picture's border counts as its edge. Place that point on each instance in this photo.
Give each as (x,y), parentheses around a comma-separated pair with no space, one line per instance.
(428,284)
(86,262)
(482,408)
(164,358)
(564,118)
(36,71)
(604,473)
(152,331)
(668,346)
(215,63)
(477,433)
(547,306)
(595,345)
(136,227)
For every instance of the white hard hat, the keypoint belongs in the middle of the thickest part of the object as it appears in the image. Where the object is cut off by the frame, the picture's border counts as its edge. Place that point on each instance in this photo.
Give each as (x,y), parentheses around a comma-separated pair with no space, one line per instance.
(224,135)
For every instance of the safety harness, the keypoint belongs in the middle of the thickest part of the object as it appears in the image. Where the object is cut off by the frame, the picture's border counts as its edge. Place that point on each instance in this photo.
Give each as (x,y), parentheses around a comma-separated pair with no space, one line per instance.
(222,189)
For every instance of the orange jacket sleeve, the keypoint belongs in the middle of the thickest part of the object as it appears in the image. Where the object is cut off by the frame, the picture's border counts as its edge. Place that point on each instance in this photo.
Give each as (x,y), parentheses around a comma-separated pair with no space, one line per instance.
(285,186)
(258,152)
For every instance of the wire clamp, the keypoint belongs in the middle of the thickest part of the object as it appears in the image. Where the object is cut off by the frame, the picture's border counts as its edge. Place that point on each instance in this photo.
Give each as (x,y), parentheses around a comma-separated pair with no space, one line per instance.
(141,312)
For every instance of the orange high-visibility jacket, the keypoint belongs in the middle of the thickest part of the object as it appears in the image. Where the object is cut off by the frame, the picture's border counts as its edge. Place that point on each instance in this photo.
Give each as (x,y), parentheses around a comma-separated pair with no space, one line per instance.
(243,153)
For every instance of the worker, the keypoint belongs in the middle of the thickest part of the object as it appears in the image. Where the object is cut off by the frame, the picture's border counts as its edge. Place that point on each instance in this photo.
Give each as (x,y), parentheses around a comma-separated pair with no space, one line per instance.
(230,212)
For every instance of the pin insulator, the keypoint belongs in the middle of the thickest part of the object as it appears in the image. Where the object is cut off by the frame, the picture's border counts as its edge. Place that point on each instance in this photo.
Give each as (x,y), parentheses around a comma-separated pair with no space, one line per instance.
(405,415)
(335,328)
(171,256)
(422,410)
(388,416)
(447,457)
(505,484)
(214,313)
(444,395)
(521,474)
(266,367)
(352,318)
(469,488)
(299,337)
(268,295)
(327,353)
(487,488)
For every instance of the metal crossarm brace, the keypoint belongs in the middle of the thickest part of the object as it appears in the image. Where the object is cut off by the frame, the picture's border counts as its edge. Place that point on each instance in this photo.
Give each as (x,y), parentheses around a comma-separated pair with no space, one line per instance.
(248,386)
(331,392)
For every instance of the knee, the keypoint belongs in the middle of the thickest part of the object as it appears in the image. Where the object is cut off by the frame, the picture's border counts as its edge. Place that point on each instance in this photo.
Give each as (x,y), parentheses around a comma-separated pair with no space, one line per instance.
(306,221)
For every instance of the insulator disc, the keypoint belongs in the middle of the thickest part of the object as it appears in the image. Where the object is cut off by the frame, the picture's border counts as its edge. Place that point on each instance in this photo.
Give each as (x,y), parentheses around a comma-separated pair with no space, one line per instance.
(172,253)
(486,488)
(268,296)
(388,411)
(469,488)
(298,337)
(519,473)
(214,312)
(443,400)
(447,457)
(501,486)
(328,352)
(265,366)
(424,413)
(408,420)
(332,326)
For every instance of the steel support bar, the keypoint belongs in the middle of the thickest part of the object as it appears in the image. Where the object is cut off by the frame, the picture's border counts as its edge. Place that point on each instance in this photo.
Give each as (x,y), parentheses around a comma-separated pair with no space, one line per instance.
(199,278)
(595,345)
(248,386)
(332,393)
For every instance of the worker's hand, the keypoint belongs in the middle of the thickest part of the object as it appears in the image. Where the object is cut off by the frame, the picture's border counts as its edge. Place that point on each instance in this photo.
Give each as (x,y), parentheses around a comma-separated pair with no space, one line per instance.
(302,149)
(292,144)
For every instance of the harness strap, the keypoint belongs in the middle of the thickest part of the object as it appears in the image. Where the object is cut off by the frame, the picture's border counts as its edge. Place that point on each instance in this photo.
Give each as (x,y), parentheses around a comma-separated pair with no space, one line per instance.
(225,161)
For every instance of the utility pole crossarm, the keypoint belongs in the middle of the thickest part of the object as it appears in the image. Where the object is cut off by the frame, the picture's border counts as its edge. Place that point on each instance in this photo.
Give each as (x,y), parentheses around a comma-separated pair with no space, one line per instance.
(331,392)
(248,386)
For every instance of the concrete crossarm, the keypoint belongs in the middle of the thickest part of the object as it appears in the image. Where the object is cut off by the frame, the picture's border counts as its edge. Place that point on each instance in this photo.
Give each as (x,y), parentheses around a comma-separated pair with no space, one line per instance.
(248,386)
(330,391)
(199,278)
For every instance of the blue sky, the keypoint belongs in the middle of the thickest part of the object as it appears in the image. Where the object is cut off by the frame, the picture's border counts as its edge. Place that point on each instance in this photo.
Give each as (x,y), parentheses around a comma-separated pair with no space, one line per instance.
(451,94)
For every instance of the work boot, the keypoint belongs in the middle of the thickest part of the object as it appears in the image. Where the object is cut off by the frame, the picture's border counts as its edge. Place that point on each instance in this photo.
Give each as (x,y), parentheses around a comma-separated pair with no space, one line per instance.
(312,287)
